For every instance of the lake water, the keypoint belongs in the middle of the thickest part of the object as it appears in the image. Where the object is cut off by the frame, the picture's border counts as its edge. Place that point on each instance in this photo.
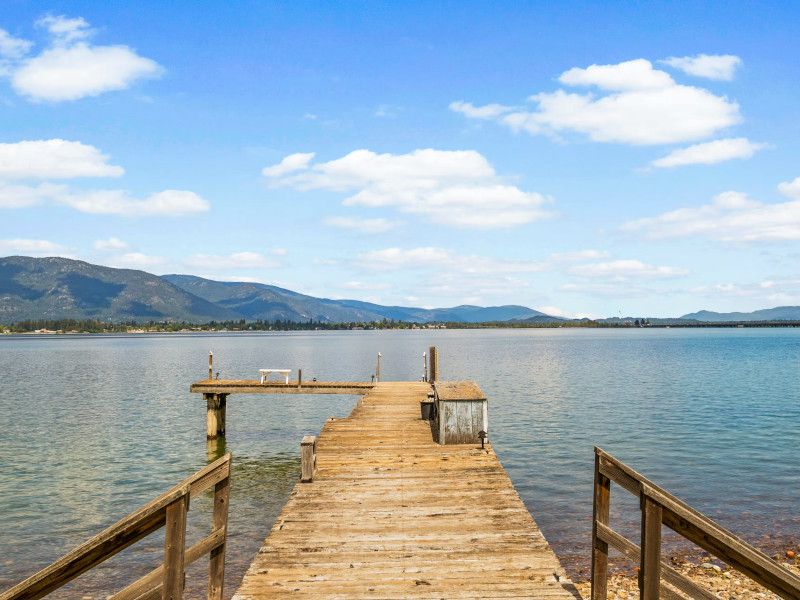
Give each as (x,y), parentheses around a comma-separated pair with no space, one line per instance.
(95,426)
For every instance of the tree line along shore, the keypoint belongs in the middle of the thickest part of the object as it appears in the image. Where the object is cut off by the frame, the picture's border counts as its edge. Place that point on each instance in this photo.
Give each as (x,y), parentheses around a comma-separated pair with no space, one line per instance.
(66,326)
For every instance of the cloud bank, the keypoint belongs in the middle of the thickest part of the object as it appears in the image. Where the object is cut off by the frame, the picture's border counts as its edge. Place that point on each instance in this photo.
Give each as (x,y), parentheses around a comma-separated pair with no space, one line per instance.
(456,188)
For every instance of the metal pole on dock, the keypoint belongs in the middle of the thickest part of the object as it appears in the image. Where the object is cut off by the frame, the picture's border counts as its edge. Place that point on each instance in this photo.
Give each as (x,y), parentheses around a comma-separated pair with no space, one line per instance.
(378,371)
(425,364)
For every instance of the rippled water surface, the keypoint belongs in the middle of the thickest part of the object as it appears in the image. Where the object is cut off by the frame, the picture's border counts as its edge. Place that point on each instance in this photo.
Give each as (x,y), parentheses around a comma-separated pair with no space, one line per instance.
(95,426)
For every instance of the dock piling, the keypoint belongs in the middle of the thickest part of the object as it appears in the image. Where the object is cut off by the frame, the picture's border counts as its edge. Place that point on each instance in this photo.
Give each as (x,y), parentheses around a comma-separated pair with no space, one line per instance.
(215,415)
(210,364)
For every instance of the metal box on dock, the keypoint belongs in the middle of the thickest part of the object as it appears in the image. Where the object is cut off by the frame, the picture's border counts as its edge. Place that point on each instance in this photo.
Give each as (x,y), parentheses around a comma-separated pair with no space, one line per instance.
(463,411)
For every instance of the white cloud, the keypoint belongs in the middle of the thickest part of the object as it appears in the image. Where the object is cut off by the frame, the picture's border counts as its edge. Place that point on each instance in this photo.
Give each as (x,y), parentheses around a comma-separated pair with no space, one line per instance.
(65,30)
(35,247)
(623,270)
(70,67)
(137,260)
(581,255)
(237,260)
(278,251)
(790,189)
(11,47)
(23,196)
(455,188)
(111,245)
(391,259)
(489,111)
(54,159)
(710,153)
(783,290)
(644,106)
(361,225)
(719,67)
(294,162)
(388,111)
(173,203)
(69,73)
(364,286)
(731,217)
(632,75)
(624,289)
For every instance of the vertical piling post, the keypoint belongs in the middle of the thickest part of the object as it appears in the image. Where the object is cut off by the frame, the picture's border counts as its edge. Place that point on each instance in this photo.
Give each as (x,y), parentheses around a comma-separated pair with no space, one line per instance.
(216,405)
(210,365)
(378,370)
(600,514)
(308,457)
(425,364)
(299,377)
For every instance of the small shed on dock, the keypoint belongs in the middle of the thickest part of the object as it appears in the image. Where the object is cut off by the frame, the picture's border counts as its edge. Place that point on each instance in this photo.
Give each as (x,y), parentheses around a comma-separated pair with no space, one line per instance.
(463,411)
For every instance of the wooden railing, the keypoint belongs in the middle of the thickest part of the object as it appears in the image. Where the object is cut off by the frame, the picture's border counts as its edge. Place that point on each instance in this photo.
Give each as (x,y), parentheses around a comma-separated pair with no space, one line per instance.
(169,511)
(659,506)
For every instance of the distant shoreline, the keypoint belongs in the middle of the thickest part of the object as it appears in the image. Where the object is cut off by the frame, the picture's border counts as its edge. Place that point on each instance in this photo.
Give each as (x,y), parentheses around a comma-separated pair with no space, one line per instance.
(171,329)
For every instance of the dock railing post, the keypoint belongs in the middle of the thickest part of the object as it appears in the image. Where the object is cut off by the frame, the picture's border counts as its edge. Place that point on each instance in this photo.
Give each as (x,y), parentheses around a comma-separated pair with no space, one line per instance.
(600,514)
(425,365)
(650,566)
(308,458)
(210,364)
(175,547)
(378,370)
(299,377)
(216,566)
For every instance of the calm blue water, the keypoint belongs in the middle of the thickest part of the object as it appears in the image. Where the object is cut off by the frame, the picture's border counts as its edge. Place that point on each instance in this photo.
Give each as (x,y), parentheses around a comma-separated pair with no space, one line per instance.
(95,426)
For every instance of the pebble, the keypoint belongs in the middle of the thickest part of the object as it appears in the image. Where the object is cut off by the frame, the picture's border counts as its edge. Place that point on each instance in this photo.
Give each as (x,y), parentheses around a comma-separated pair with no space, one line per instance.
(710,566)
(789,554)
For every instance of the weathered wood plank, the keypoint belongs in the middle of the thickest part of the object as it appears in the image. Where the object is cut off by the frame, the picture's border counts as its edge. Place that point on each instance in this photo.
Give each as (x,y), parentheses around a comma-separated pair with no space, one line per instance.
(392,514)
(254,386)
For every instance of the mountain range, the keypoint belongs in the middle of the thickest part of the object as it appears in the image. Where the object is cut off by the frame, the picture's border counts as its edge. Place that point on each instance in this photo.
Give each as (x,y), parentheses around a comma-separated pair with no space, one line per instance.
(62,288)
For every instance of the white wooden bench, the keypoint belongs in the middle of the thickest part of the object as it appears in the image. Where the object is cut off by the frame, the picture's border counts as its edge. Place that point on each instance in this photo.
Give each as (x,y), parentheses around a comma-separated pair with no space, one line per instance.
(266,372)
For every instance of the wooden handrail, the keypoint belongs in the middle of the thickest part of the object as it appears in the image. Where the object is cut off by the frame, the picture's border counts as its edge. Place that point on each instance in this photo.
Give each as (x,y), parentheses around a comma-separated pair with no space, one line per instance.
(167,509)
(659,506)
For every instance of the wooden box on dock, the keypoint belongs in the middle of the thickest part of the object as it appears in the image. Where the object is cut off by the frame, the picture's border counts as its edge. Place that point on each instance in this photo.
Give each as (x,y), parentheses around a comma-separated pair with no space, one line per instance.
(463,411)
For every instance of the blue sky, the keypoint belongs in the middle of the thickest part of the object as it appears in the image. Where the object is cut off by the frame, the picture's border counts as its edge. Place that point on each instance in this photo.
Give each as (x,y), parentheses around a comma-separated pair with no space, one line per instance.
(579,158)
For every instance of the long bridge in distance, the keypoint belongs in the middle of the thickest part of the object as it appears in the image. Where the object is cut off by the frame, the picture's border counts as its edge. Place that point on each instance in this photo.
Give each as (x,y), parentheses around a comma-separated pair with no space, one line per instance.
(404,498)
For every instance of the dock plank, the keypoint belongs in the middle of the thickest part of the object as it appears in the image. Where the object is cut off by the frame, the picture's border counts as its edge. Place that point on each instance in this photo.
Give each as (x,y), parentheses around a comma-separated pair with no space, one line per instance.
(392,514)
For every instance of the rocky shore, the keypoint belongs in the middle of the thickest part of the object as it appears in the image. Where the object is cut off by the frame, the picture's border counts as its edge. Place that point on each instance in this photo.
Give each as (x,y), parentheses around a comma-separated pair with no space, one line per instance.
(709,573)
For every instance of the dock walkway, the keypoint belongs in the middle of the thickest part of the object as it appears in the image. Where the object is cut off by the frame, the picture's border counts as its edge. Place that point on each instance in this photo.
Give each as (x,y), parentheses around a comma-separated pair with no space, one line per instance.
(392,514)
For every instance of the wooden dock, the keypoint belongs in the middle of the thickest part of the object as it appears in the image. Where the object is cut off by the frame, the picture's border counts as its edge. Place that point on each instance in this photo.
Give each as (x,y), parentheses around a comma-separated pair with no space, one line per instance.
(392,514)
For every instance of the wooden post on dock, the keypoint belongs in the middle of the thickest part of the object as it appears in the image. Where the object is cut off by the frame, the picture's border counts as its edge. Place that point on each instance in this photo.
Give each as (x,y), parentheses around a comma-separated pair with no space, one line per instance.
(215,415)
(601,510)
(433,372)
(216,566)
(299,377)
(210,364)
(175,548)
(378,370)
(650,565)
(308,457)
